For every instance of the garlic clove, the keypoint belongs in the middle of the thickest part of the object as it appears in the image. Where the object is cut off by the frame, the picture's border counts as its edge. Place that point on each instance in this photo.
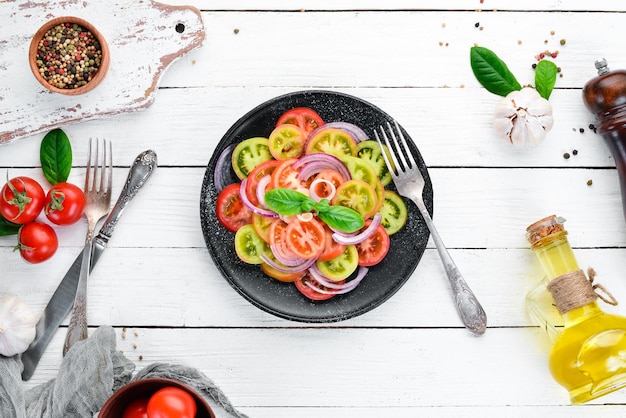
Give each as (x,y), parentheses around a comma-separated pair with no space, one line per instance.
(17,326)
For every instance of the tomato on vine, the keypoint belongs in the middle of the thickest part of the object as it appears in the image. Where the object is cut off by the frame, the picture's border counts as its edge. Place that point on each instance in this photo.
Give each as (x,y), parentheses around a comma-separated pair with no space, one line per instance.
(64,204)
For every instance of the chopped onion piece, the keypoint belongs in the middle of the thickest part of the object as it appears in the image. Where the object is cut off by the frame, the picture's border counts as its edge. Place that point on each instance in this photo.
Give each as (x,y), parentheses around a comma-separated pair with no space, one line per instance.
(221,173)
(287,269)
(260,189)
(313,194)
(250,205)
(305,217)
(314,163)
(361,236)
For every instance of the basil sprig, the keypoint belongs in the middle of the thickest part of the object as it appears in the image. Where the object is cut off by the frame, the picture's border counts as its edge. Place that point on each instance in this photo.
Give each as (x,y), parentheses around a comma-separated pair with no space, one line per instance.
(290,202)
(7,227)
(56,156)
(545,78)
(492,72)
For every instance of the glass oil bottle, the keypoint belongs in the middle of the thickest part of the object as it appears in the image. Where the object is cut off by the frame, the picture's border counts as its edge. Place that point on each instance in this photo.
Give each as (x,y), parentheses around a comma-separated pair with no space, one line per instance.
(588,357)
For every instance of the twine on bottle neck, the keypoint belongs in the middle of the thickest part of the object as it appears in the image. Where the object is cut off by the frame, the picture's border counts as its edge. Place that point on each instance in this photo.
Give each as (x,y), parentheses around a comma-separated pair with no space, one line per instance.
(573,290)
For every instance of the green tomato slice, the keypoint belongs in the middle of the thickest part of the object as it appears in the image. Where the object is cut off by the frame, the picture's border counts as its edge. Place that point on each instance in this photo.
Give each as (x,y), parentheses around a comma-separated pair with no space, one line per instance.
(393,212)
(360,169)
(370,151)
(332,141)
(287,141)
(342,266)
(248,154)
(249,245)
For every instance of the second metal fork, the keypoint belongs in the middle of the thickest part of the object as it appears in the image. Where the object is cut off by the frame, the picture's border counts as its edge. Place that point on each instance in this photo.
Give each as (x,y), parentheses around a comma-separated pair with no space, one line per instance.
(410,183)
(98,174)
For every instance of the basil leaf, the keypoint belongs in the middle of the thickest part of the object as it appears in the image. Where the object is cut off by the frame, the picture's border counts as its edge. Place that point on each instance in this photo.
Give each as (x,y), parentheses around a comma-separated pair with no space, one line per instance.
(545,78)
(7,227)
(492,72)
(322,206)
(56,156)
(342,218)
(286,201)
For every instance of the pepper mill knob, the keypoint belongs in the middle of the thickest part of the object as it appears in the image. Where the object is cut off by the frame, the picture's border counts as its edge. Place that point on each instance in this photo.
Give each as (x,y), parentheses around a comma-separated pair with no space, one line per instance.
(605,97)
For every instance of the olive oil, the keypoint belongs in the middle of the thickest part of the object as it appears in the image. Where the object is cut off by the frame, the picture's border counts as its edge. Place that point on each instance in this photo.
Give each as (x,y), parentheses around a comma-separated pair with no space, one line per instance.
(589,355)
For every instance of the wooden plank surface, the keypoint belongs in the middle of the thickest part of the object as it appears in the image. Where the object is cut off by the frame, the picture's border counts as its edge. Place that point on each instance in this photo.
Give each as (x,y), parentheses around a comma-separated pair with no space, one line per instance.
(410,356)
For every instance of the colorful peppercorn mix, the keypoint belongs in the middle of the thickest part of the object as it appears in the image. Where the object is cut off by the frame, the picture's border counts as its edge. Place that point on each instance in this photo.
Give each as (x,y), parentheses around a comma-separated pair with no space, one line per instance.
(68,56)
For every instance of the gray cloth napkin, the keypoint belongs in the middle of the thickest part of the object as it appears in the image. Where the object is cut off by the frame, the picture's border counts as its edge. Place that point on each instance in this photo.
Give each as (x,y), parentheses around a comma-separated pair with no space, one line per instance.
(89,374)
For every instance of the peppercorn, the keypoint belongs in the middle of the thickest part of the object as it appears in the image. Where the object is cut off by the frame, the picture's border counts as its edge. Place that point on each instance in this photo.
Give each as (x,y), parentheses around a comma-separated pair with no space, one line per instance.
(566,155)
(589,182)
(575,152)
(581,130)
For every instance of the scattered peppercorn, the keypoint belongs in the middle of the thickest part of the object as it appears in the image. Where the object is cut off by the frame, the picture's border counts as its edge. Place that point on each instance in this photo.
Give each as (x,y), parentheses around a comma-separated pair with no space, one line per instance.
(575,152)
(477,24)
(589,182)
(566,155)
(68,56)
(581,130)
(140,357)
(552,32)
(534,65)
(235,31)
(562,41)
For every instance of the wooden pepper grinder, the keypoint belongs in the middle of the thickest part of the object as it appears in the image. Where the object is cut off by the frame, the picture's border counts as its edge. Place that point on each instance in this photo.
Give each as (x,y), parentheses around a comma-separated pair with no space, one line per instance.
(605,97)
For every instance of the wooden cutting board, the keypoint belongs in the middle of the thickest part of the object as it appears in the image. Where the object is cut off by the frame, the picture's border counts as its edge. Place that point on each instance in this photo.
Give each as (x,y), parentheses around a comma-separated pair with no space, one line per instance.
(144,38)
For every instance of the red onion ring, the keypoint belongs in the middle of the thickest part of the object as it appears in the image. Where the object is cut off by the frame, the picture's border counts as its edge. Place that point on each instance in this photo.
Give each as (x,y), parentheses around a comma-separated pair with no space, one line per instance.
(317,197)
(337,289)
(287,269)
(361,236)
(285,258)
(314,163)
(250,205)
(260,189)
(221,172)
(354,131)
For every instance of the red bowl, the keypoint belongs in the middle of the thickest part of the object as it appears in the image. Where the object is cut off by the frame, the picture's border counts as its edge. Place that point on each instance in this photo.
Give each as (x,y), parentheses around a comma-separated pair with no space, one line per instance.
(144,388)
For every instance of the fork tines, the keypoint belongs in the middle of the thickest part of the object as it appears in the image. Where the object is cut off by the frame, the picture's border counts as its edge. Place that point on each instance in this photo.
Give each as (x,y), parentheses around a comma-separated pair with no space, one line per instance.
(396,147)
(99,162)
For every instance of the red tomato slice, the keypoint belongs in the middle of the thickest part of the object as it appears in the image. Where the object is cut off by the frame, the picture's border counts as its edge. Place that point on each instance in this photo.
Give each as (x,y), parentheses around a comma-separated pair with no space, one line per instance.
(331,175)
(261,170)
(375,248)
(305,239)
(286,176)
(311,293)
(276,234)
(230,210)
(332,248)
(307,119)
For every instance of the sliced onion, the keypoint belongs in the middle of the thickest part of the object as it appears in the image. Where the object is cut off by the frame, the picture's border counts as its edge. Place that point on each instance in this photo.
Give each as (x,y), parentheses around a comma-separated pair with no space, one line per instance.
(250,205)
(287,269)
(351,129)
(314,163)
(336,289)
(222,168)
(285,258)
(260,189)
(305,217)
(361,236)
(317,197)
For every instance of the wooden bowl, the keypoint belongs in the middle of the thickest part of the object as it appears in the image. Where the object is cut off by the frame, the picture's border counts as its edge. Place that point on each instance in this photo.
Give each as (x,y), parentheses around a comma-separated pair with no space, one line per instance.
(96,78)
(144,388)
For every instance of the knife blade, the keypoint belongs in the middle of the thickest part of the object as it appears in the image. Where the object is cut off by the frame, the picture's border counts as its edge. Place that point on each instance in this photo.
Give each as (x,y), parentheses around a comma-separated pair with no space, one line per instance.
(62,300)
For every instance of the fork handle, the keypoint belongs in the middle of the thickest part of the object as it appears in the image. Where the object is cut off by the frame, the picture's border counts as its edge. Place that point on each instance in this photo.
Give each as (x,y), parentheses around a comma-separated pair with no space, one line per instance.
(471,312)
(77,329)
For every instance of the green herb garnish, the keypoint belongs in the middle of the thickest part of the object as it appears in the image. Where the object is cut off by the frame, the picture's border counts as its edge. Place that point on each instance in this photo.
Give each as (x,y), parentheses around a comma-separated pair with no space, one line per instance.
(492,72)
(545,78)
(56,156)
(290,202)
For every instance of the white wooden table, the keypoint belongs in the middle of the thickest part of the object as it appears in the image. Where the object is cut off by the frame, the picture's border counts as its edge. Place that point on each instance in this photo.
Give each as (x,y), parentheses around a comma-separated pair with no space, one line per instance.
(411,356)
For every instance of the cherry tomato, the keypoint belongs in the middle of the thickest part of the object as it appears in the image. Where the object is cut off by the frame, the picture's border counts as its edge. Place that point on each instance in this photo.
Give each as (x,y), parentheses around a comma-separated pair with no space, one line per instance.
(287,141)
(310,292)
(286,176)
(307,119)
(332,248)
(305,239)
(230,210)
(375,248)
(137,409)
(357,195)
(341,267)
(21,200)
(171,402)
(332,141)
(249,246)
(248,154)
(260,171)
(37,242)
(64,204)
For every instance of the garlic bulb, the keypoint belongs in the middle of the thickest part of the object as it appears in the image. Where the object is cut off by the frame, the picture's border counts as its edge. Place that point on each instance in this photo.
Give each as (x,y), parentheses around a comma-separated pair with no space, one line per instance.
(17,326)
(523,117)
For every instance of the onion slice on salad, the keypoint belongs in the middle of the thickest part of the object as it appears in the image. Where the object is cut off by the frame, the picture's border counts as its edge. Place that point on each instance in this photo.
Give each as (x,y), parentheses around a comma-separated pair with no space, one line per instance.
(361,236)
(260,189)
(220,174)
(335,289)
(354,131)
(259,211)
(314,163)
(287,269)
(313,193)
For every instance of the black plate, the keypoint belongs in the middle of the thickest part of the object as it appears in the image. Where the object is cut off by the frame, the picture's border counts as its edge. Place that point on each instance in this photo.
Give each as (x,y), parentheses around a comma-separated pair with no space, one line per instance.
(283,299)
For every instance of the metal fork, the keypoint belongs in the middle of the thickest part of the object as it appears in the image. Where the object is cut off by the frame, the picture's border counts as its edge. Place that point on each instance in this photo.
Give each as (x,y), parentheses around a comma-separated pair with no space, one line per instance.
(410,183)
(98,200)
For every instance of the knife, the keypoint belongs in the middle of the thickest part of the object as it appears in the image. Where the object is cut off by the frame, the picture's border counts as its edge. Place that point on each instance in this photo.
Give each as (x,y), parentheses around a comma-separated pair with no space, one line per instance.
(63,298)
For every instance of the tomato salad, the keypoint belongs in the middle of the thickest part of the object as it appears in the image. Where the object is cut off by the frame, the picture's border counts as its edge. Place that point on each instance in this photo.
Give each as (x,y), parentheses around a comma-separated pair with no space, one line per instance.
(311,206)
